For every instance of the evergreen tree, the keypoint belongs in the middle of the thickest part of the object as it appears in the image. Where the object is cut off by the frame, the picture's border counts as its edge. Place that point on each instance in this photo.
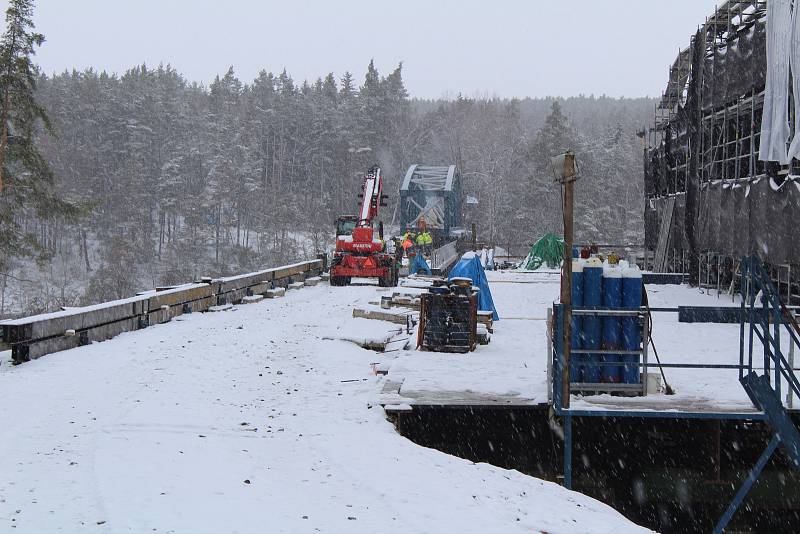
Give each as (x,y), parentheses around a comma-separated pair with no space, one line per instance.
(26,182)
(186,180)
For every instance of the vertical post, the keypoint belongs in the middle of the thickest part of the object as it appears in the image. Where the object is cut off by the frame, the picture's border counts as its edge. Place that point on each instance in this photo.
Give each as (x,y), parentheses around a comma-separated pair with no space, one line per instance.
(550,369)
(568,451)
(566,173)
(765,314)
(558,360)
(566,277)
(645,342)
(790,389)
(776,343)
(474,237)
(743,282)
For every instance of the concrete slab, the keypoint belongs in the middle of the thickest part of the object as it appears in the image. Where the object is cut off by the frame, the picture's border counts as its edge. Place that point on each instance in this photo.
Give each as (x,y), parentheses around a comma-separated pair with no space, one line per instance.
(275,293)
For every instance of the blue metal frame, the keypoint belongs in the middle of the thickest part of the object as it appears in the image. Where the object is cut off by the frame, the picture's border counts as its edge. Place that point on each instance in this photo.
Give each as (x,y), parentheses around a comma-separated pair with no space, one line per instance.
(746,485)
(764,391)
(646,414)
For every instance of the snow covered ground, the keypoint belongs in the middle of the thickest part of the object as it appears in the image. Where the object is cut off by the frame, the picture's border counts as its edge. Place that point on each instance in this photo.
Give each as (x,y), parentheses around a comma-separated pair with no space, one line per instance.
(249,420)
(513,367)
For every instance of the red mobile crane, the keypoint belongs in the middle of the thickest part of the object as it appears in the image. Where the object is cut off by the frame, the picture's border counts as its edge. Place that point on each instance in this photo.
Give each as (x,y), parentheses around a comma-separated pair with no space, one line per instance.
(359,252)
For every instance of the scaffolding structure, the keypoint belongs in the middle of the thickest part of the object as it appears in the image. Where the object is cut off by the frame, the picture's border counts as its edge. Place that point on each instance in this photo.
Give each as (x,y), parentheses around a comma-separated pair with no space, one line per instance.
(703,150)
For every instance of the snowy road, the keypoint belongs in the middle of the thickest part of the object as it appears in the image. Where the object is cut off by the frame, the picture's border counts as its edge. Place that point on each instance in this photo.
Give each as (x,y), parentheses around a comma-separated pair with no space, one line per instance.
(244,421)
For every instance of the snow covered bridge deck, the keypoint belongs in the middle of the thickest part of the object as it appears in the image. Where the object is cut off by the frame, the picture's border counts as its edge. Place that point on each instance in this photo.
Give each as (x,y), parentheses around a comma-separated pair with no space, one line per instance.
(255,419)
(512,370)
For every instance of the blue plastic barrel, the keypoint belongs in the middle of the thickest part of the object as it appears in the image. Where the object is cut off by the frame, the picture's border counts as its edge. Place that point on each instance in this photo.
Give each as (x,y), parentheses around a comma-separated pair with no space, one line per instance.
(592,296)
(612,326)
(631,332)
(575,360)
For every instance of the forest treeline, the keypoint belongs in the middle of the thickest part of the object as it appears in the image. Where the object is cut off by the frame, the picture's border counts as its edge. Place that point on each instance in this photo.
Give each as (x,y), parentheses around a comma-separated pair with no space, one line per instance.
(174,180)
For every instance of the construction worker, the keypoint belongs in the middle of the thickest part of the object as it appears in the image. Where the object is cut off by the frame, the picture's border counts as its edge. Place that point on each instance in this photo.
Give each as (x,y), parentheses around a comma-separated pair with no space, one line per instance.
(405,245)
(424,239)
(409,238)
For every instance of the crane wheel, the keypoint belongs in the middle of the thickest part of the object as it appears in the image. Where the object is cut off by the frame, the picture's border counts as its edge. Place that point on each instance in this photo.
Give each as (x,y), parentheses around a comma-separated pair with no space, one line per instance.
(340,280)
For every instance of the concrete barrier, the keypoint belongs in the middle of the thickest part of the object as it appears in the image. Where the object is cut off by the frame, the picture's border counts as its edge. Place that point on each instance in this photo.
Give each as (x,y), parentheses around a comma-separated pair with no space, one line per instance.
(35,336)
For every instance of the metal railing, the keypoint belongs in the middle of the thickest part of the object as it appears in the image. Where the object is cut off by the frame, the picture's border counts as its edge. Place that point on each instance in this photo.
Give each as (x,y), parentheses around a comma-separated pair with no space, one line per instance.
(444,256)
(761,303)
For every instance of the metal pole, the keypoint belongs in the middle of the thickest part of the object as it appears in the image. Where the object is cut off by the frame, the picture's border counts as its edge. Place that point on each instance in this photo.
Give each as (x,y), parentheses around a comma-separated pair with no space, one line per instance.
(566,277)
(550,329)
(790,389)
(568,451)
(474,237)
(566,299)
(645,342)
(567,178)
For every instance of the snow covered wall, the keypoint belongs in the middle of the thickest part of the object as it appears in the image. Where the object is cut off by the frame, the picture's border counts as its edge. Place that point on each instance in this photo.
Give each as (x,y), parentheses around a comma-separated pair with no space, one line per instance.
(35,336)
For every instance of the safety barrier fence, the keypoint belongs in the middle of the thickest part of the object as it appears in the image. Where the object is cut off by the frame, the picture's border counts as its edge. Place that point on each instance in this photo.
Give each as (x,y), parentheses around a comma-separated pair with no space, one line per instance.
(32,337)
(444,256)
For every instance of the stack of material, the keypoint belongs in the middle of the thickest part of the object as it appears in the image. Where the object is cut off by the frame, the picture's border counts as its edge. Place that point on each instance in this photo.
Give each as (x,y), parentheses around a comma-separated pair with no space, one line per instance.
(406,301)
(485,318)
(448,318)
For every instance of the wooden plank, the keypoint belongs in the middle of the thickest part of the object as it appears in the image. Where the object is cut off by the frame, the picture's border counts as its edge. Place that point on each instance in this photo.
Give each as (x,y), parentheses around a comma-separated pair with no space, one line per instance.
(382,315)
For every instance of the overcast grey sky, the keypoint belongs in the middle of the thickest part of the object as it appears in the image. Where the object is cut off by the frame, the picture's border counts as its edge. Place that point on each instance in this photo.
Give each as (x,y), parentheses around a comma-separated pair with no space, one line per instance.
(492,47)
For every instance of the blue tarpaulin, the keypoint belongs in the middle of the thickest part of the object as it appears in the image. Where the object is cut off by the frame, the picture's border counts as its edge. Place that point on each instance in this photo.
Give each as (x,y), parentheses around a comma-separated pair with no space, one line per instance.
(469,266)
(419,265)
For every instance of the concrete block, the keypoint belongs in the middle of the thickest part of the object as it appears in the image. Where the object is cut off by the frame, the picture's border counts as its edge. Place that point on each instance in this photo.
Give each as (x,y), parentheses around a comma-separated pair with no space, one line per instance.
(252,298)
(296,285)
(260,289)
(314,280)
(275,293)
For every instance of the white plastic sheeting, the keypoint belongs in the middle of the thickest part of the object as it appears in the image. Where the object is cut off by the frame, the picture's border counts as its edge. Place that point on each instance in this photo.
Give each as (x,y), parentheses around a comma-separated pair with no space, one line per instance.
(794,148)
(775,120)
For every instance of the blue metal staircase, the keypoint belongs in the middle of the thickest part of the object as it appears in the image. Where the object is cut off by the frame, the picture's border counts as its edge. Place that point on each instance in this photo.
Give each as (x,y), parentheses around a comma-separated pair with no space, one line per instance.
(762,307)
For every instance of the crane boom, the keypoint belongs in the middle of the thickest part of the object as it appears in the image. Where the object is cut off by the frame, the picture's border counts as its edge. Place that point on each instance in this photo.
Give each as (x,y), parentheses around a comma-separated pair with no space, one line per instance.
(371,193)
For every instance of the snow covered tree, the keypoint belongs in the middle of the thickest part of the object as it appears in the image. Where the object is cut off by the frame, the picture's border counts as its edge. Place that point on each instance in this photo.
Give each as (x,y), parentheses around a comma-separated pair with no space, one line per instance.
(26,182)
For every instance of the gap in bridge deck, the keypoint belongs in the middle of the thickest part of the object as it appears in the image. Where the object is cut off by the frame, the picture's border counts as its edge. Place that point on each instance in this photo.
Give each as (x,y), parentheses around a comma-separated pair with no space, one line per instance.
(670,475)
